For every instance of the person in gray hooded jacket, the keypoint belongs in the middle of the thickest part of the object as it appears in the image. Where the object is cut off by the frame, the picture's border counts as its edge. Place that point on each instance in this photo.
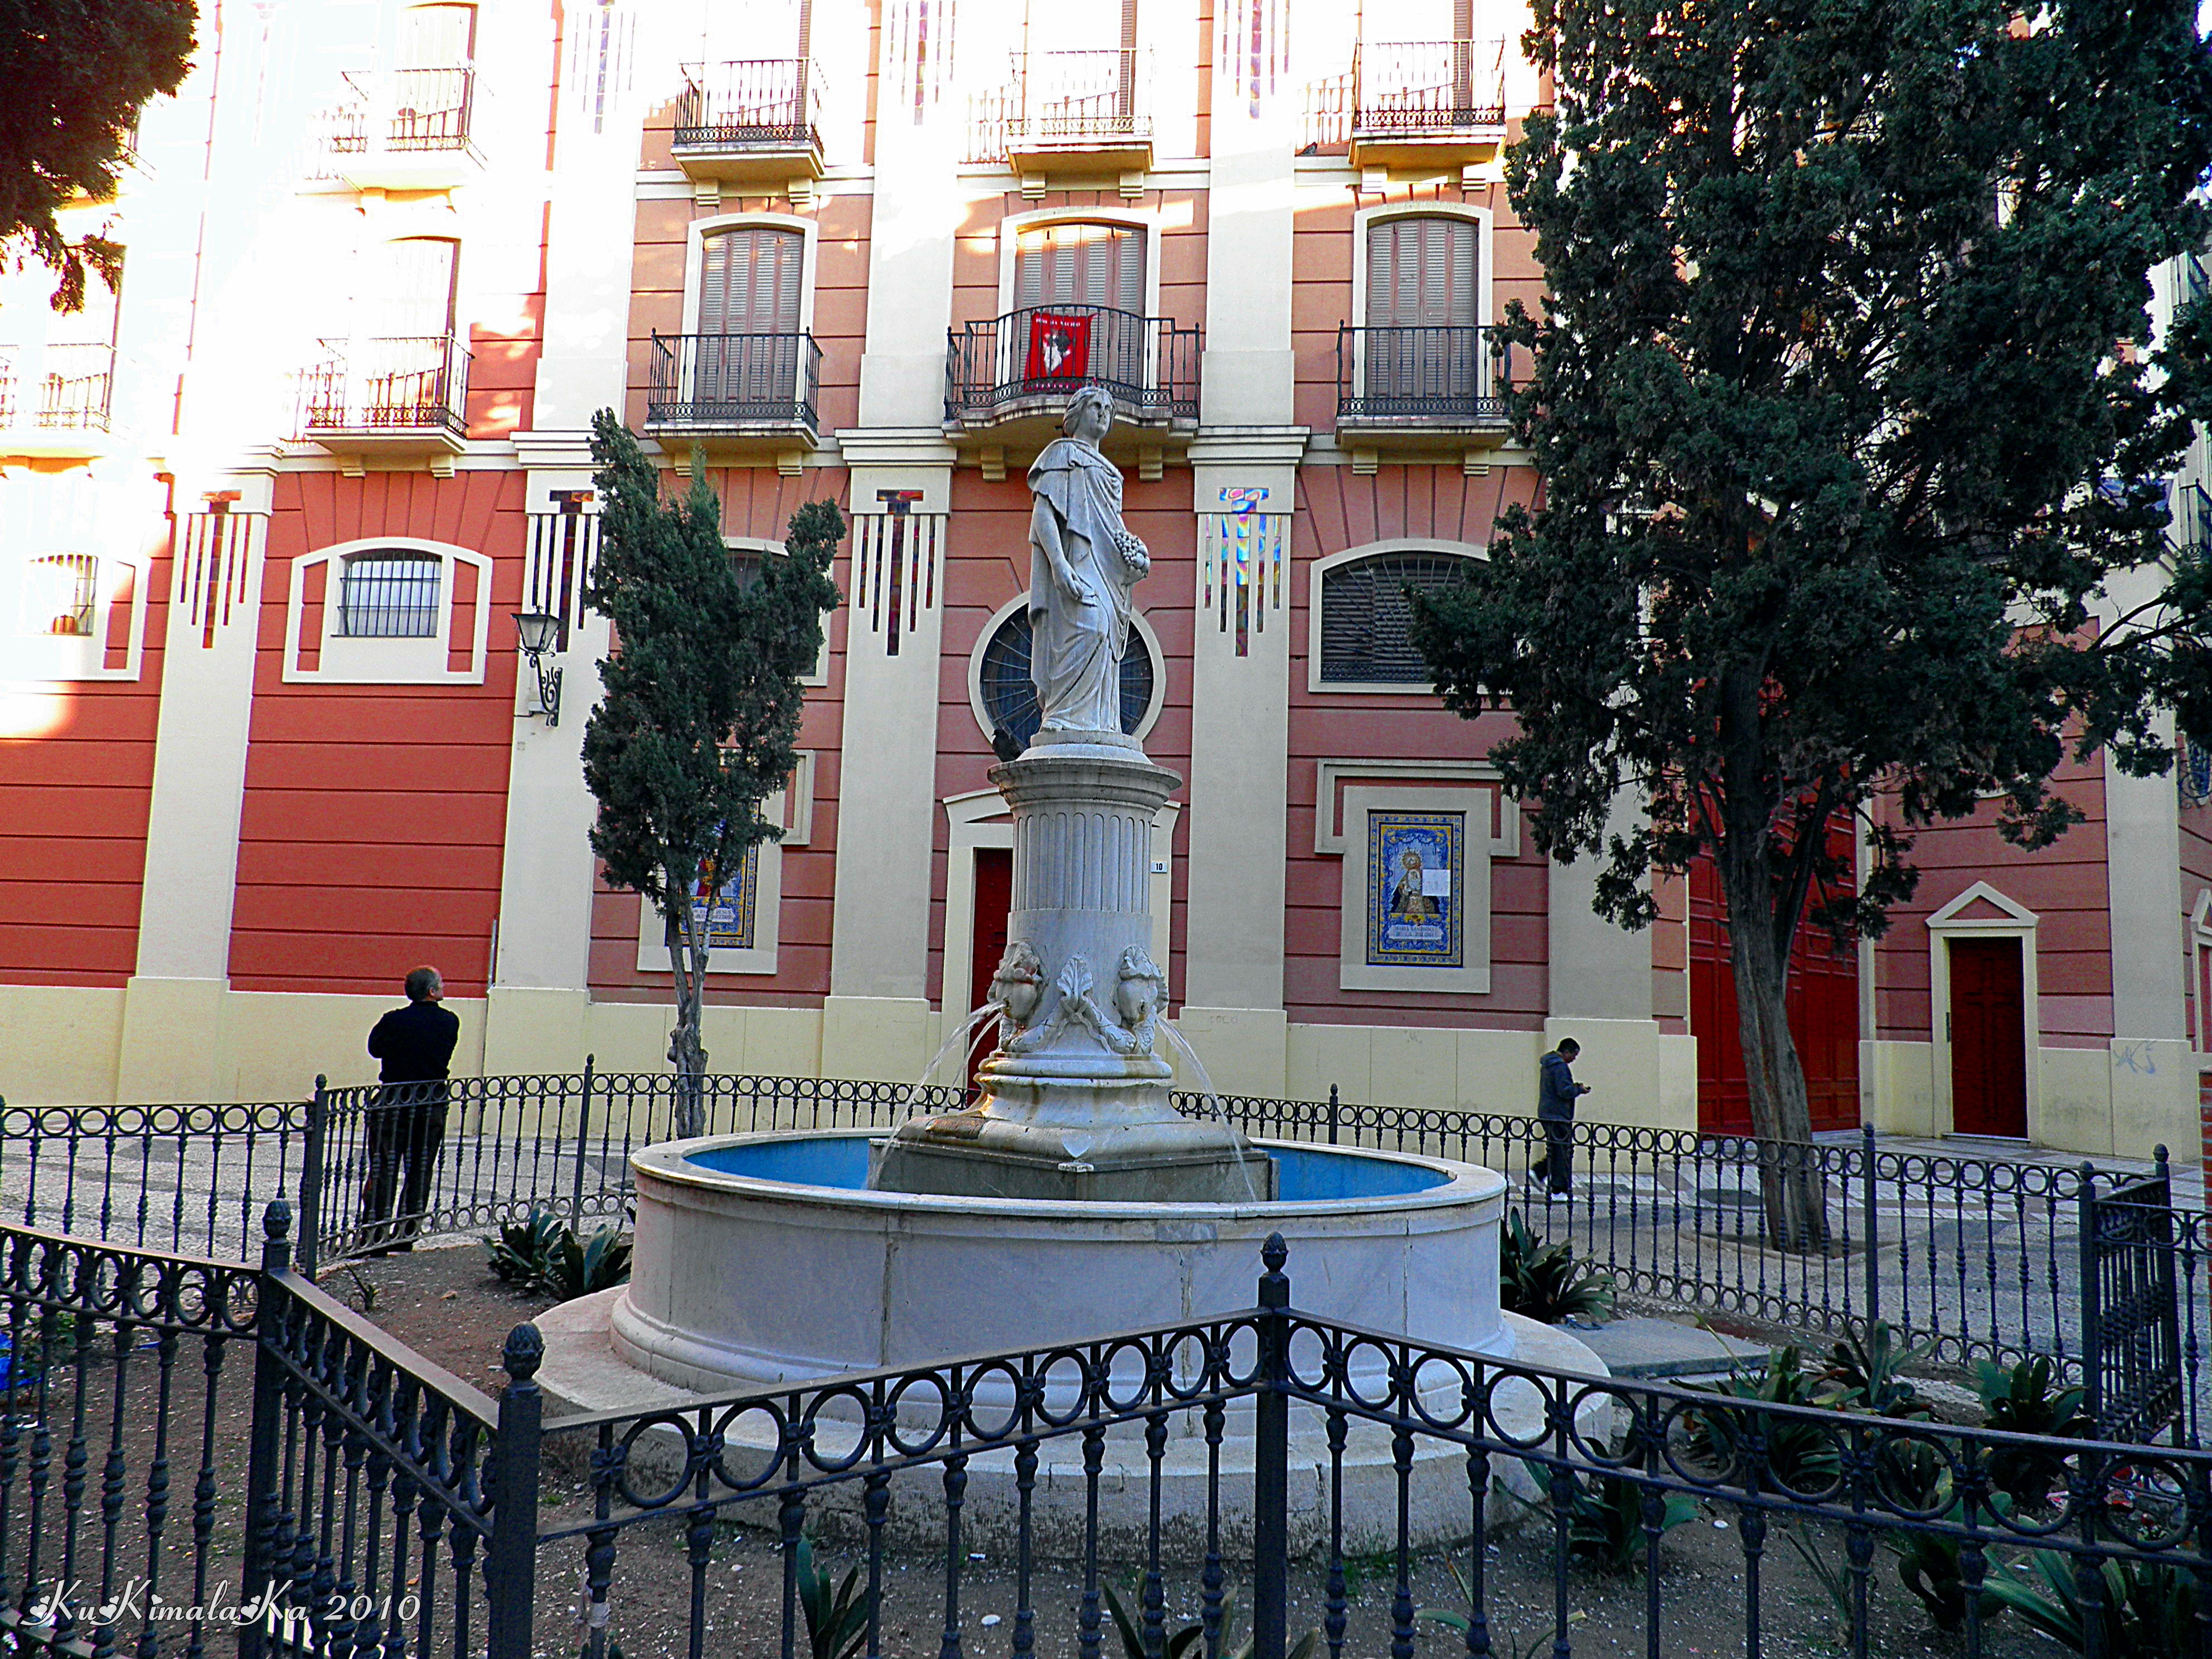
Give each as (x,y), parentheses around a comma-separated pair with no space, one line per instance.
(1556,1094)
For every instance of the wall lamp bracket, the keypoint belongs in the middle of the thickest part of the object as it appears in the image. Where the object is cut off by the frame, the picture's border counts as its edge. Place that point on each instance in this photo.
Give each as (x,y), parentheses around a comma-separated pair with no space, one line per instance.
(536,631)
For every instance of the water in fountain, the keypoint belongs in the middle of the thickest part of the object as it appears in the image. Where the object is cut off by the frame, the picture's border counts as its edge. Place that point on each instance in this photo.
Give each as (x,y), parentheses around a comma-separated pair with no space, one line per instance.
(958,1039)
(1211,1099)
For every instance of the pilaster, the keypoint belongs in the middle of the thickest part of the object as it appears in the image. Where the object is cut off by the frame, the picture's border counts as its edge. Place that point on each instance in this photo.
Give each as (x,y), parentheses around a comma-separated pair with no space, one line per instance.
(887,775)
(170,1048)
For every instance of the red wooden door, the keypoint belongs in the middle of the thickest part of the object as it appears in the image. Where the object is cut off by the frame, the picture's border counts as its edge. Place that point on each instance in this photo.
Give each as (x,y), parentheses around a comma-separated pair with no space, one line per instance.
(1823,999)
(994,897)
(1989,1054)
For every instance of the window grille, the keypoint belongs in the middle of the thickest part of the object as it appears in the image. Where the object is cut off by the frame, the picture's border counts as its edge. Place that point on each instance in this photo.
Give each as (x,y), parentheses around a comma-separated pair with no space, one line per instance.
(389,596)
(61,594)
(1010,699)
(1367,617)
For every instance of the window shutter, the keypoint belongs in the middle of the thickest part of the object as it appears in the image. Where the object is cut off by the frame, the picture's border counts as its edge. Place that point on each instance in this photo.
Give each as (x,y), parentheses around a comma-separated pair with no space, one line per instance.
(438,37)
(414,294)
(749,282)
(1080,264)
(1421,272)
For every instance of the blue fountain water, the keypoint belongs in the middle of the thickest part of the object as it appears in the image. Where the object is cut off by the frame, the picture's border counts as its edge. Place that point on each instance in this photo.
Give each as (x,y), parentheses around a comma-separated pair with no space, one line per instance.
(1303,1174)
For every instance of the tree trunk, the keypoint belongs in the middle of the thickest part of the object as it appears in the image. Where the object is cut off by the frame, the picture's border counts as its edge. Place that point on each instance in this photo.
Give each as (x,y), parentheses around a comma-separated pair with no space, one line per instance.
(687,955)
(1792,1194)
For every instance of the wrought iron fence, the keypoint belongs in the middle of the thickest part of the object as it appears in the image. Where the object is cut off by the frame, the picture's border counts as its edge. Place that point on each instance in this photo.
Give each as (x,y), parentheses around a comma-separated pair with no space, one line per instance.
(758,103)
(2136,1252)
(1423,376)
(1973,1257)
(1034,359)
(725,382)
(1353,1480)
(417,383)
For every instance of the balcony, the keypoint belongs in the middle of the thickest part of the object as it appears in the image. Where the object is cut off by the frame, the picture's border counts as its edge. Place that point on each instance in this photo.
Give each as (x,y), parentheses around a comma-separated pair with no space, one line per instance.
(755,122)
(401,398)
(737,394)
(1409,391)
(1008,379)
(56,400)
(1069,114)
(1420,103)
(403,130)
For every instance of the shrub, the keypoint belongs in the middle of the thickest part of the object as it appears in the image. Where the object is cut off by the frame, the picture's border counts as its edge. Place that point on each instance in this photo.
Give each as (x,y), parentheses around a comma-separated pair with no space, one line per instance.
(1544,1282)
(1928,1565)
(1605,1515)
(1191,1638)
(521,1248)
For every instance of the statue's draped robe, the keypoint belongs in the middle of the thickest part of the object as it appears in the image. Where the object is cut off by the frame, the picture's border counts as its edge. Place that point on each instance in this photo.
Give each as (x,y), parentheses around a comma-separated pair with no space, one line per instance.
(1075,657)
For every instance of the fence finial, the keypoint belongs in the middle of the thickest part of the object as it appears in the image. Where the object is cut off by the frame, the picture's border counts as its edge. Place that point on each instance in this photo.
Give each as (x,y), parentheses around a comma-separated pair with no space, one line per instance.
(277,1221)
(523,1352)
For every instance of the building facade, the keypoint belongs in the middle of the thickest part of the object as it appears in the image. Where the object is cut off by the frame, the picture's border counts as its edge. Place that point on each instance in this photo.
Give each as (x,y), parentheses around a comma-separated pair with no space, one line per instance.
(268,738)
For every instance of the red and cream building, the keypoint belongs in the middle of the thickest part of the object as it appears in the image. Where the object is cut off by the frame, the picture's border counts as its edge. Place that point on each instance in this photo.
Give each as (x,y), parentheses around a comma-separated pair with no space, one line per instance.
(267,740)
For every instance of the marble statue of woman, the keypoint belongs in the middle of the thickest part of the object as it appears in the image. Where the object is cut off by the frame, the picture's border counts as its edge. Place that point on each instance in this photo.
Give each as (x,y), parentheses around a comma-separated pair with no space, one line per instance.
(1083,566)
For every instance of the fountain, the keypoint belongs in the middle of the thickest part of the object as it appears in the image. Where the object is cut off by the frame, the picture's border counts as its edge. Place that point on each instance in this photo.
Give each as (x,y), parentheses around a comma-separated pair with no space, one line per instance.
(1072,1199)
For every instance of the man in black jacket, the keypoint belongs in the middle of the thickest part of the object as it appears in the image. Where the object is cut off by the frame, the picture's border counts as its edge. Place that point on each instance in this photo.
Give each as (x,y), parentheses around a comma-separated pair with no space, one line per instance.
(407,1125)
(1555,1109)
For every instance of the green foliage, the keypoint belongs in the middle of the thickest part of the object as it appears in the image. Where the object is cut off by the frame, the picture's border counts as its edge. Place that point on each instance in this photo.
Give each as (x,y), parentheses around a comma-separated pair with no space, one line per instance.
(1504,1640)
(2026,1399)
(837,1619)
(1840,455)
(1605,1515)
(544,1255)
(520,1250)
(1544,1282)
(1865,1372)
(699,721)
(78,74)
(1802,1456)
(2149,1609)
(1190,1639)
(1833,1578)
(1927,1564)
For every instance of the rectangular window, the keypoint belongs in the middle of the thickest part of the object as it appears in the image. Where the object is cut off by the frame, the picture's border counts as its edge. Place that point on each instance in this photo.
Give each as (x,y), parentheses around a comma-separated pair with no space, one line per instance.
(388,597)
(1080,264)
(61,595)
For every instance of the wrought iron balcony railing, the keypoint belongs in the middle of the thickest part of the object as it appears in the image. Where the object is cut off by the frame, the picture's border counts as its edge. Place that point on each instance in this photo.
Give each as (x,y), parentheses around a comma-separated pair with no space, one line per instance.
(1035,358)
(406,110)
(734,383)
(1065,100)
(76,387)
(1422,377)
(761,103)
(1428,87)
(418,384)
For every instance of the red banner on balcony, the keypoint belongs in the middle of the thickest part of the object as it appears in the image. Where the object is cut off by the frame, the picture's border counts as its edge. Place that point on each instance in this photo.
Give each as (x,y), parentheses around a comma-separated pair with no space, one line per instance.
(1060,347)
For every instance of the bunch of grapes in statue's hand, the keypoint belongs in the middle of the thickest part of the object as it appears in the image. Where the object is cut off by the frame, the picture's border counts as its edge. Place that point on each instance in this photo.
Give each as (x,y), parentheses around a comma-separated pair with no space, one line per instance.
(1134,552)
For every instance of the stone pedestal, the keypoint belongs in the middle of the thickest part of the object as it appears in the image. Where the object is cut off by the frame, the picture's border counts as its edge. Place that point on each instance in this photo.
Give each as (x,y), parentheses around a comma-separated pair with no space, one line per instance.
(1075,1100)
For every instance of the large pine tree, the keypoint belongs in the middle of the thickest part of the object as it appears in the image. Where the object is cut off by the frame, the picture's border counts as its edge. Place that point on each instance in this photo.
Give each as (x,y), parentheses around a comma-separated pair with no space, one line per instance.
(700,717)
(1852,433)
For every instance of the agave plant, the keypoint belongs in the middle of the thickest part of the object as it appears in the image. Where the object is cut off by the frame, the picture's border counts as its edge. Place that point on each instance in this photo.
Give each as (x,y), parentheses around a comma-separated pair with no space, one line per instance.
(1544,1282)
(2024,1400)
(1865,1372)
(2148,1610)
(1800,1455)
(520,1250)
(1928,1564)
(837,1619)
(1191,1638)
(1605,1515)
(579,1267)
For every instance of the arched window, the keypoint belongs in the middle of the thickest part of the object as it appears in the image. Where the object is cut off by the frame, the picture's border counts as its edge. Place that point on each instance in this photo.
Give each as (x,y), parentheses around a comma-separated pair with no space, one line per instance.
(1365,635)
(389,594)
(1009,695)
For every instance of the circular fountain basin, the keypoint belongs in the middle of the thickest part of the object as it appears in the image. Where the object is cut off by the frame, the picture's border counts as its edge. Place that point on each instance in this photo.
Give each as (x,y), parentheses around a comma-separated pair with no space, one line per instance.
(764,1259)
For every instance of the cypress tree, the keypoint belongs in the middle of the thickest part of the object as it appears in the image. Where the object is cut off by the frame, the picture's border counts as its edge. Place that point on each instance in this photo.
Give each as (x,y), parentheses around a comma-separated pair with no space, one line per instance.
(699,720)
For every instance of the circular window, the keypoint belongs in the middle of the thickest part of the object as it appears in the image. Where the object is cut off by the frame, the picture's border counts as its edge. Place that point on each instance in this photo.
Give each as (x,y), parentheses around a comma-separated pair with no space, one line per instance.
(1010,699)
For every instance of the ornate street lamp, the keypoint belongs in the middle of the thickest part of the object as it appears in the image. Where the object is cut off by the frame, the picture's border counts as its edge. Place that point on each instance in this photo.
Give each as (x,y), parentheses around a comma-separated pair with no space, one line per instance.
(537,631)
